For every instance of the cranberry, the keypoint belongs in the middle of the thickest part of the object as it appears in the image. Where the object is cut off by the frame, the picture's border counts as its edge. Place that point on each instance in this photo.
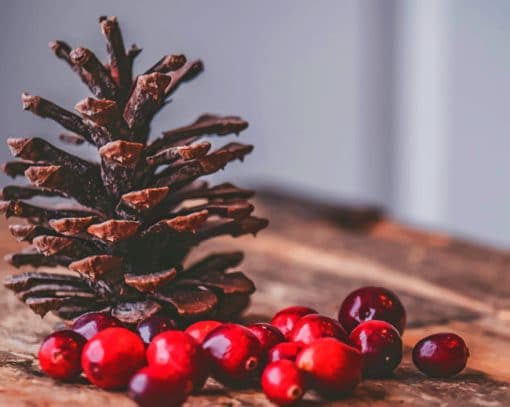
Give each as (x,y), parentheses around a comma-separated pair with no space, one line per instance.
(91,323)
(235,354)
(380,345)
(441,355)
(112,356)
(284,350)
(199,330)
(314,326)
(285,319)
(154,386)
(333,367)
(283,383)
(372,303)
(154,325)
(60,354)
(267,334)
(179,353)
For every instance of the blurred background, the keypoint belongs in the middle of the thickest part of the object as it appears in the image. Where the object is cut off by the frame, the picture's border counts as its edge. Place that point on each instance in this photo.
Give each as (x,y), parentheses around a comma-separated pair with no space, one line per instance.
(402,104)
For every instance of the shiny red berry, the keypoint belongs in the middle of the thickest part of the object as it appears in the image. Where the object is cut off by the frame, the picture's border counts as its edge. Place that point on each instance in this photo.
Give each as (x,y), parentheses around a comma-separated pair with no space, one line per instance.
(91,323)
(285,319)
(179,354)
(314,326)
(112,356)
(284,350)
(380,345)
(283,383)
(372,303)
(154,325)
(333,367)
(267,334)
(60,355)
(154,386)
(199,330)
(235,354)
(441,355)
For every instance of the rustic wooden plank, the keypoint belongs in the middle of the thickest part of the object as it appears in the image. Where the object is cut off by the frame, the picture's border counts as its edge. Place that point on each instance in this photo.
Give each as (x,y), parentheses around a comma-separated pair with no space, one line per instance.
(285,280)
(21,380)
(305,257)
(475,271)
(353,266)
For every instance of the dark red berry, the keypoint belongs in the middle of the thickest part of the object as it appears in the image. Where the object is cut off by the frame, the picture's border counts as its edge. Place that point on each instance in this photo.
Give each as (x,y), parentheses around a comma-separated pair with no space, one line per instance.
(380,345)
(91,323)
(314,326)
(112,356)
(284,350)
(179,354)
(283,383)
(267,334)
(60,354)
(235,354)
(154,325)
(333,367)
(285,319)
(199,330)
(441,355)
(154,386)
(372,303)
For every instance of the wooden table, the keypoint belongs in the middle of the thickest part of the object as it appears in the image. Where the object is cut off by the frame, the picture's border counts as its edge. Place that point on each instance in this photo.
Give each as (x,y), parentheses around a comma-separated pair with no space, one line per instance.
(314,255)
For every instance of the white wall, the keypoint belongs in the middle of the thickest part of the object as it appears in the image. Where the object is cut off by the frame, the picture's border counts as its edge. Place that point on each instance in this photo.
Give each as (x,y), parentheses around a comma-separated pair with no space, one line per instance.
(479,163)
(292,68)
(397,102)
(422,116)
(453,128)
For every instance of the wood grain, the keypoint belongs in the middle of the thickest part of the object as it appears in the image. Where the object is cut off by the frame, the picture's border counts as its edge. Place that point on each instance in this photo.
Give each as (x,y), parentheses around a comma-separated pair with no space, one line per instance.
(314,255)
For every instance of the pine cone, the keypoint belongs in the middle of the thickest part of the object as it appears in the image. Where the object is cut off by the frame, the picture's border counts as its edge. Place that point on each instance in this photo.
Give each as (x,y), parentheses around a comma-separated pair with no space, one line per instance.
(137,213)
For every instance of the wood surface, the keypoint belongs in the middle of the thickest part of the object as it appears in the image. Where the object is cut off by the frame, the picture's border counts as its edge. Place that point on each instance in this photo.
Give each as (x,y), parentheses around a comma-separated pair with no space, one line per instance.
(314,255)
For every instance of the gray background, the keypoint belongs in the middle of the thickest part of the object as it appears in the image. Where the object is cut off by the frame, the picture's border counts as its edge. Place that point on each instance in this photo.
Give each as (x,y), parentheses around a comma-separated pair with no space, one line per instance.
(399,103)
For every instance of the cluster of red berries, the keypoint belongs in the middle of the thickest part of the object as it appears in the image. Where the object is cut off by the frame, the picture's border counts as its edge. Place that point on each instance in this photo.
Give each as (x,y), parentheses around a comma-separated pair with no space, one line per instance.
(299,350)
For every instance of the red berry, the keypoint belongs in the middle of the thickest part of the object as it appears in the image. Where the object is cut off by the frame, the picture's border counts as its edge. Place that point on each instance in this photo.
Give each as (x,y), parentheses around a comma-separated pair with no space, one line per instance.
(154,325)
(267,334)
(333,367)
(380,345)
(154,386)
(235,354)
(60,354)
(284,350)
(372,303)
(180,354)
(441,355)
(285,319)
(314,326)
(112,356)
(199,330)
(283,383)
(91,323)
